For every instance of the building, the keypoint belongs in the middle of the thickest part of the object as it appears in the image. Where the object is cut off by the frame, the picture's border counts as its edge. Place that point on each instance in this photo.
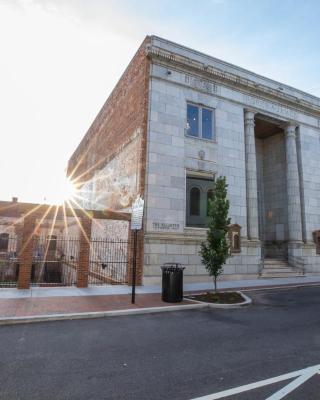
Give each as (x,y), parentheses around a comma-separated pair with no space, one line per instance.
(176,119)
(52,245)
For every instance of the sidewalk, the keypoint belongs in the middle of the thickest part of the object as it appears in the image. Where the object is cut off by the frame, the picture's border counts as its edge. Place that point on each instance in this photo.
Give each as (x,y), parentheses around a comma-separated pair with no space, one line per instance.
(109,290)
(62,303)
(45,306)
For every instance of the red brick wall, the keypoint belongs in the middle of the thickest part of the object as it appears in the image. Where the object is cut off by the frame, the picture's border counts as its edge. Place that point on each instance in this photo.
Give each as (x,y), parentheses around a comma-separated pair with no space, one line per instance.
(25,254)
(84,253)
(124,112)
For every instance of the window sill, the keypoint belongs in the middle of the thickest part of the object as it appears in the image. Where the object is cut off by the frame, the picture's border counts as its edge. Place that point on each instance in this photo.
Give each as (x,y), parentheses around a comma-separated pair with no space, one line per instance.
(214,141)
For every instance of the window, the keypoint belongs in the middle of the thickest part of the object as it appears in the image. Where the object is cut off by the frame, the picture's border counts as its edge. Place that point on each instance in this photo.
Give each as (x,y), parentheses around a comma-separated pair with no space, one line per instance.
(234,233)
(4,241)
(193,121)
(200,122)
(195,201)
(316,238)
(199,191)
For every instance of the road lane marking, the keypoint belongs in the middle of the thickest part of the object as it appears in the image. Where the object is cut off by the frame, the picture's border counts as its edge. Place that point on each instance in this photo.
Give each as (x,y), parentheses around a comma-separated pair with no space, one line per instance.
(294,384)
(302,375)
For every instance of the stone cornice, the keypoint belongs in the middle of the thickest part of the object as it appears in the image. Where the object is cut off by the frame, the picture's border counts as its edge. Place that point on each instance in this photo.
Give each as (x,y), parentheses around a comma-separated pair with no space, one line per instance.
(230,79)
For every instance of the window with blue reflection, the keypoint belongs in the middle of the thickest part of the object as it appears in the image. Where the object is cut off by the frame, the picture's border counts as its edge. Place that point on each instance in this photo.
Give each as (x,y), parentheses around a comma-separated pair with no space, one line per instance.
(206,123)
(192,120)
(200,122)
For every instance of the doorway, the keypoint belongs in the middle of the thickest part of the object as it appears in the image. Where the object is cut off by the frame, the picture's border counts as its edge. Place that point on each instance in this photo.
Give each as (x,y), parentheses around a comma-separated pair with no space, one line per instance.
(272,187)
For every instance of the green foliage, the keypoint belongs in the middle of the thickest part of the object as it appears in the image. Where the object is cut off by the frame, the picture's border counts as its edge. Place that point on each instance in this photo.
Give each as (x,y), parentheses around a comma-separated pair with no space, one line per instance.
(215,250)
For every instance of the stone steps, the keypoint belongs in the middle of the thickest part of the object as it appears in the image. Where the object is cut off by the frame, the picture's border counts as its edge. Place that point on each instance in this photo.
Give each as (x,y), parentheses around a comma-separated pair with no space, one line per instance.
(274,270)
(278,268)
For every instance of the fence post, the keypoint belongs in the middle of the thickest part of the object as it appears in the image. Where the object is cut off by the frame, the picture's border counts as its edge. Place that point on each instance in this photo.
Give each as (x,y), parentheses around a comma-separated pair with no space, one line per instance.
(25,254)
(84,252)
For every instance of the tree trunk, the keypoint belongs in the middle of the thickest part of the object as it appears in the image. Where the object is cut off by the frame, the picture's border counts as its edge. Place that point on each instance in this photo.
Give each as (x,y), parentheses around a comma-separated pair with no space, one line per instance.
(215,284)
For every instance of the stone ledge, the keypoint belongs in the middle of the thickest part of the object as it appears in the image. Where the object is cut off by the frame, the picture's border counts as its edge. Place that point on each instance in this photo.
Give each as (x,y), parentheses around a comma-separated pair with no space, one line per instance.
(234,80)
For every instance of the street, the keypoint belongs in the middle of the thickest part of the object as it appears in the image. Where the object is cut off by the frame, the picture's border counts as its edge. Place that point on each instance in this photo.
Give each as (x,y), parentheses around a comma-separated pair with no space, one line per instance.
(177,355)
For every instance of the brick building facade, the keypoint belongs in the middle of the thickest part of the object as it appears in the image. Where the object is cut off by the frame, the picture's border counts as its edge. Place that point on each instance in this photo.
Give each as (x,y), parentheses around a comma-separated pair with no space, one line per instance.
(177,119)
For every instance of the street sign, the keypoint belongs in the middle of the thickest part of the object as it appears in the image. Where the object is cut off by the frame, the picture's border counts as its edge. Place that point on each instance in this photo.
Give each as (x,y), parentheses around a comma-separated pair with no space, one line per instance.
(137,214)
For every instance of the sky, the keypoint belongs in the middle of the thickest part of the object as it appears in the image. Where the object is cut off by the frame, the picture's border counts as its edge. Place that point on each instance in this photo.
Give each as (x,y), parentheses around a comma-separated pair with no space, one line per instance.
(60,59)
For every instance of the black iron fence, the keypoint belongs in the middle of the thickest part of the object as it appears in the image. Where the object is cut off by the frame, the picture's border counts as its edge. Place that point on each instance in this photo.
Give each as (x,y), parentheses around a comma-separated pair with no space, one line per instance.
(9,266)
(108,262)
(55,261)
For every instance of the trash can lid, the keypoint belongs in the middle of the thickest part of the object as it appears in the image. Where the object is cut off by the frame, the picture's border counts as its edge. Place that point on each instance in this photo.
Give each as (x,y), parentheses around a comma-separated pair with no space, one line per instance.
(172,267)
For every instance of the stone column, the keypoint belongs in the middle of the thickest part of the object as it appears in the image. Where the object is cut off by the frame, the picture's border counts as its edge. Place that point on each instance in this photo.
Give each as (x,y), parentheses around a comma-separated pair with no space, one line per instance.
(251,176)
(293,186)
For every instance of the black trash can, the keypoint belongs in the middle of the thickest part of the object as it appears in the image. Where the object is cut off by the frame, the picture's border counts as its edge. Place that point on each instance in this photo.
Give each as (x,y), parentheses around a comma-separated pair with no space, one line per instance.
(172,282)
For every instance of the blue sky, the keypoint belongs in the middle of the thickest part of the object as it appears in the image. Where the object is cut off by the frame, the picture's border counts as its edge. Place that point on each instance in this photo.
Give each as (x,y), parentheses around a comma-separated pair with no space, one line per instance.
(61,59)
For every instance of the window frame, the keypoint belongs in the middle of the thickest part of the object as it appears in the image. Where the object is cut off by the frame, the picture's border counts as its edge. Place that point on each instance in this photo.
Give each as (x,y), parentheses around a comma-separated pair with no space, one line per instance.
(200,131)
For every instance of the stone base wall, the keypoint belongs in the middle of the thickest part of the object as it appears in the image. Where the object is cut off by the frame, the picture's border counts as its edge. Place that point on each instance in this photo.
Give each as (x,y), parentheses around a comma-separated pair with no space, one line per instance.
(304,257)
(184,249)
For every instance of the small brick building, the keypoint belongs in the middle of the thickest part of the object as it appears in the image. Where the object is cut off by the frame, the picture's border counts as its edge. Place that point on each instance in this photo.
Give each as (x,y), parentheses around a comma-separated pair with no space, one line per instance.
(176,119)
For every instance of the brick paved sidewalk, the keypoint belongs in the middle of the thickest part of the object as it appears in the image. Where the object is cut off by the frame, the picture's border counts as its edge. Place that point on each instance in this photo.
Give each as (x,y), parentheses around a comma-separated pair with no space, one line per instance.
(31,306)
(46,302)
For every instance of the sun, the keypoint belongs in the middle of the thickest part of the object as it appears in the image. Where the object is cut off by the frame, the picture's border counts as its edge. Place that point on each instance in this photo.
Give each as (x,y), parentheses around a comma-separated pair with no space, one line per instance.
(64,190)
(69,189)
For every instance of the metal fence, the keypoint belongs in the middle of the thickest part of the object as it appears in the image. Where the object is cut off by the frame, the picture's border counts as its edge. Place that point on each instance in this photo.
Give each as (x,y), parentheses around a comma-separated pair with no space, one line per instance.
(9,267)
(55,261)
(108,261)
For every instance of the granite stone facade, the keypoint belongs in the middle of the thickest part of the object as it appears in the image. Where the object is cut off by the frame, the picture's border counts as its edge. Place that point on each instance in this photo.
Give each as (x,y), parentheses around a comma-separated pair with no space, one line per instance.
(266,141)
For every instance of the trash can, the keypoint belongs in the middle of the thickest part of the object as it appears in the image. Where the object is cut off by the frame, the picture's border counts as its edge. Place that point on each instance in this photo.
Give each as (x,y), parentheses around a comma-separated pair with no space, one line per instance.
(172,282)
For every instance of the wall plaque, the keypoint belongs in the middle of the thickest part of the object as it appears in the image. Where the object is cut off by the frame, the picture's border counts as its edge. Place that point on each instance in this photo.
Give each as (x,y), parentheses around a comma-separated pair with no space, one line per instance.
(269,106)
(165,226)
(201,84)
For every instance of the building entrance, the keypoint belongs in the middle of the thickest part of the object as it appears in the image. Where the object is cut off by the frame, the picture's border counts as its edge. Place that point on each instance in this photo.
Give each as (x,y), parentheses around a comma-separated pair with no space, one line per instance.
(272,188)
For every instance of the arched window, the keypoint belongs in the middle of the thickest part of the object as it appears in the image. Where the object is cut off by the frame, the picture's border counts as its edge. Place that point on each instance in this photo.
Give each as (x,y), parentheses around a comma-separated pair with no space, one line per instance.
(4,241)
(195,201)
(209,198)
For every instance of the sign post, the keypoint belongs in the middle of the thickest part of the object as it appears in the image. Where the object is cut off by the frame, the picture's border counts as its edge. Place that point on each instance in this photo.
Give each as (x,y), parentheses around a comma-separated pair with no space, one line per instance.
(136,225)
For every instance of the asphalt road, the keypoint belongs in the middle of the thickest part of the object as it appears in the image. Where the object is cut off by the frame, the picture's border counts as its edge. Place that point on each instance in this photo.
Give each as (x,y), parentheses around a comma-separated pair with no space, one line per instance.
(177,355)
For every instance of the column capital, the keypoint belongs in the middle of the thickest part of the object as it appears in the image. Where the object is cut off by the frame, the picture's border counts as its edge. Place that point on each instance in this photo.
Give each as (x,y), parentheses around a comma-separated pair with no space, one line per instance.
(290,129)
(249,116)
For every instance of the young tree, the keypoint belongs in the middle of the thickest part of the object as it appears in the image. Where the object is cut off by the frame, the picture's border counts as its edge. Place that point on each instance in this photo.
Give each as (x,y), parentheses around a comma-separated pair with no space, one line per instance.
(215,250)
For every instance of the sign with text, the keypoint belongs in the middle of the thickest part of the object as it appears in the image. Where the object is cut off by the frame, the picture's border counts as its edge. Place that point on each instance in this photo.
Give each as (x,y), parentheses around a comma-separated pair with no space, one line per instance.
(137,214)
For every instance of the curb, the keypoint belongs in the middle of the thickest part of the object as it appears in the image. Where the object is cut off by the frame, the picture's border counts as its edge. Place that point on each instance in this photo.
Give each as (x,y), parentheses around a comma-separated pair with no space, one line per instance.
(98,314)
(287,286)
(247,301)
